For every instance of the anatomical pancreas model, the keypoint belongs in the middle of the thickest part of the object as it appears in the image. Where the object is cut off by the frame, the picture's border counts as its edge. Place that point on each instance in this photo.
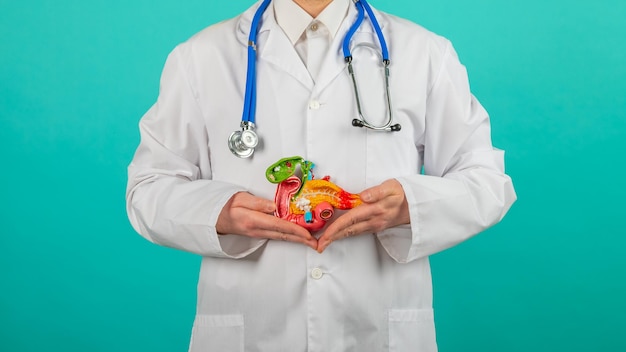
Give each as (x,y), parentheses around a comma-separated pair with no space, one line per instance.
(306,201)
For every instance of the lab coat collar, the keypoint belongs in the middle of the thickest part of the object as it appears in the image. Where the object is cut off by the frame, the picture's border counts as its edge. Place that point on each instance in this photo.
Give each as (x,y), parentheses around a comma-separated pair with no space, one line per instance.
(291,18)
(294,20)
(275,48)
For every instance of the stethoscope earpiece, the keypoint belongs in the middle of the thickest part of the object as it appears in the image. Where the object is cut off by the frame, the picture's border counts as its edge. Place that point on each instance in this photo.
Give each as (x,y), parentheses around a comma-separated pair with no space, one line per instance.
(360,123)
(357,123)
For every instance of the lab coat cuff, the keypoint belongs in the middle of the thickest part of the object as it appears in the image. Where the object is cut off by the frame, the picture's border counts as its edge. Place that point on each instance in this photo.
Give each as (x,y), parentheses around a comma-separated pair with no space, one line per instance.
(230,246)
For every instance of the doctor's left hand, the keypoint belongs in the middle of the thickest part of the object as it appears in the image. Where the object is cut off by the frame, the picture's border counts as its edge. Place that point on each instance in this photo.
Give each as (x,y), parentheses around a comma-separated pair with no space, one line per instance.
(384,206)
(248,215)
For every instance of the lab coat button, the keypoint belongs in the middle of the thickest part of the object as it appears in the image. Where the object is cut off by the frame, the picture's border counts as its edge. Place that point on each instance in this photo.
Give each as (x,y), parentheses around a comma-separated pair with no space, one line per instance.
(314,105)
(314,27)
(317,273)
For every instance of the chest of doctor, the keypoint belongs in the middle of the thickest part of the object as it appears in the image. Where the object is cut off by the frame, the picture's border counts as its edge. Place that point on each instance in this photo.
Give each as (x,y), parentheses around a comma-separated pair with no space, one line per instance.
(297,116)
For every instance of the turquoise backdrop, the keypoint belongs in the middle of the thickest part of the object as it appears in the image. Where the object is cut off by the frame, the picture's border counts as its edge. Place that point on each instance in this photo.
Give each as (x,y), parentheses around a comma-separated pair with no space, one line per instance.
(76,76)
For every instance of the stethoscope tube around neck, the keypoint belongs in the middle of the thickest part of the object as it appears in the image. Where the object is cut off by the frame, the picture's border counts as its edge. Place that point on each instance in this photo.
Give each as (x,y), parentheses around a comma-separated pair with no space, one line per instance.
(242,143)
(249,105)
(362,6)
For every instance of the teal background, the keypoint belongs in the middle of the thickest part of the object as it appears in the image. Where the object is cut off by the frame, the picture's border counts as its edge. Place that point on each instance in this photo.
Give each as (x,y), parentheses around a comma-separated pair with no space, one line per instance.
(76,76)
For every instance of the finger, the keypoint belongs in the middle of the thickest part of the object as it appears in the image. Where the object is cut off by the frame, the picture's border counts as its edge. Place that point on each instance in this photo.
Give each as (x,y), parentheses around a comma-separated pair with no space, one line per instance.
(289,237)
(350,231)
(283,230)
(252,202)
(312,242)
(352,223)
(277,227)
(349,219)
(376,193)
(382,191)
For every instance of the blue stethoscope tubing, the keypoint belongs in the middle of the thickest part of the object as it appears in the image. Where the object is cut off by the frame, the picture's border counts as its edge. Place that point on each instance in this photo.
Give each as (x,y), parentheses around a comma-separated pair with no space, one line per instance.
(249,105)
(242,143)
(362,6)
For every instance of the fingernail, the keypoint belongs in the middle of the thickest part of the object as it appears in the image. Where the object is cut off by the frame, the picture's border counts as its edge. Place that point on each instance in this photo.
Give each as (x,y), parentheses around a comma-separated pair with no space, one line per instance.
(366,196)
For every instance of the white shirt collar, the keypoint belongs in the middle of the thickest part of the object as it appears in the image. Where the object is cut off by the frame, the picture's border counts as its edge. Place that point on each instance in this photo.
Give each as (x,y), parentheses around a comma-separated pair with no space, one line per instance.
(294,20)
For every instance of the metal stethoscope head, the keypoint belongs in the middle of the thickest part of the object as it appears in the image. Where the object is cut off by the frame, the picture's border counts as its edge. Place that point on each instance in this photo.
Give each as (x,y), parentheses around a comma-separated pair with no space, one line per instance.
(242,143)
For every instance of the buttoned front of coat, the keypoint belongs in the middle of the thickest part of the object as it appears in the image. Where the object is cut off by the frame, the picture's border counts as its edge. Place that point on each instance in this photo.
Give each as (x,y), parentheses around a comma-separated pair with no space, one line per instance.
(365,293)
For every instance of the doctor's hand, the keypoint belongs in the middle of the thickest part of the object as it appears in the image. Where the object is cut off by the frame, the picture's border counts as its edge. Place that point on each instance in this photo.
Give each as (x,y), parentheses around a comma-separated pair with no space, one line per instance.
(384,206)
(248,215)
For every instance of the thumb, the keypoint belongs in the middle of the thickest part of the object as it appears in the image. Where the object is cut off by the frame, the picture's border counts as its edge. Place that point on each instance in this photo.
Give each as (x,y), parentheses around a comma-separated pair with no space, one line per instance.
(377,193)
(370,195)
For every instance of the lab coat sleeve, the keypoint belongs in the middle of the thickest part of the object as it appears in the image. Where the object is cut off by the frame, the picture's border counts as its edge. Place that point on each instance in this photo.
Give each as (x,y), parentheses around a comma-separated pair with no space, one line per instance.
(464,189)
(171,199)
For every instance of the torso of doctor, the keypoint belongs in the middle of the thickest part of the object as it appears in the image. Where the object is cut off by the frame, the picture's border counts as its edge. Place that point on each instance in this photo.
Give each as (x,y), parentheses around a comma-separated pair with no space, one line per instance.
(371,292)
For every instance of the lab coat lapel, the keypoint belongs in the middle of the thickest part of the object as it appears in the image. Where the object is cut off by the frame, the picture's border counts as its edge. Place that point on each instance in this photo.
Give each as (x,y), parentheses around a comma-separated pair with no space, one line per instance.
(333,63)
(273,46)
(278,51)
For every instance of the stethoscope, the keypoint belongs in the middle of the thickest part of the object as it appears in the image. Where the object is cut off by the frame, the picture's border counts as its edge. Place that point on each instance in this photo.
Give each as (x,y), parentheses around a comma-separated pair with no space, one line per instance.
(242,142)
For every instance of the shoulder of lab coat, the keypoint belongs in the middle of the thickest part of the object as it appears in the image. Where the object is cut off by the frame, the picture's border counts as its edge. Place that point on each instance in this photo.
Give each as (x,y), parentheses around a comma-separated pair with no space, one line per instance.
(171,199)
(464,189)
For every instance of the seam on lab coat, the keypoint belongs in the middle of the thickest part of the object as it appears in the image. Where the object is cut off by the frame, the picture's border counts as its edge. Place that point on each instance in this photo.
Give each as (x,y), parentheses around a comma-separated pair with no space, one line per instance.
(441,68)
(416,240)
(183,70)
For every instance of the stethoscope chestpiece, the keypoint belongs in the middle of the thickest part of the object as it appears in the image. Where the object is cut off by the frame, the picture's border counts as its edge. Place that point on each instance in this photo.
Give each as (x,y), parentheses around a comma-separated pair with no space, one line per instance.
(242,143)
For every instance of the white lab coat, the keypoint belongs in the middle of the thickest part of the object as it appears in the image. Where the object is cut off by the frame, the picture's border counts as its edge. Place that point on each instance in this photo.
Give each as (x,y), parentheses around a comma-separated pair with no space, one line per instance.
(365,293)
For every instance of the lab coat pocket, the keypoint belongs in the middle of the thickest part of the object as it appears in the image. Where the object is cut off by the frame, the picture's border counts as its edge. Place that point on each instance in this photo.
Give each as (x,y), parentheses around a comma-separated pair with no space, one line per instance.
(412,330)
(217,333)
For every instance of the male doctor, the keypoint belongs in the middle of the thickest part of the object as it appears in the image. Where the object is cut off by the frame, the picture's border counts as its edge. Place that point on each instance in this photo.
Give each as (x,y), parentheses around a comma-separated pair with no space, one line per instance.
(362,283)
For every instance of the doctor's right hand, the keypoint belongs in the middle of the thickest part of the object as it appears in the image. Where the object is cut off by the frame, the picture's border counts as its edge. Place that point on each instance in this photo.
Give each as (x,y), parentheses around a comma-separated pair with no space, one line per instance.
(248,215)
